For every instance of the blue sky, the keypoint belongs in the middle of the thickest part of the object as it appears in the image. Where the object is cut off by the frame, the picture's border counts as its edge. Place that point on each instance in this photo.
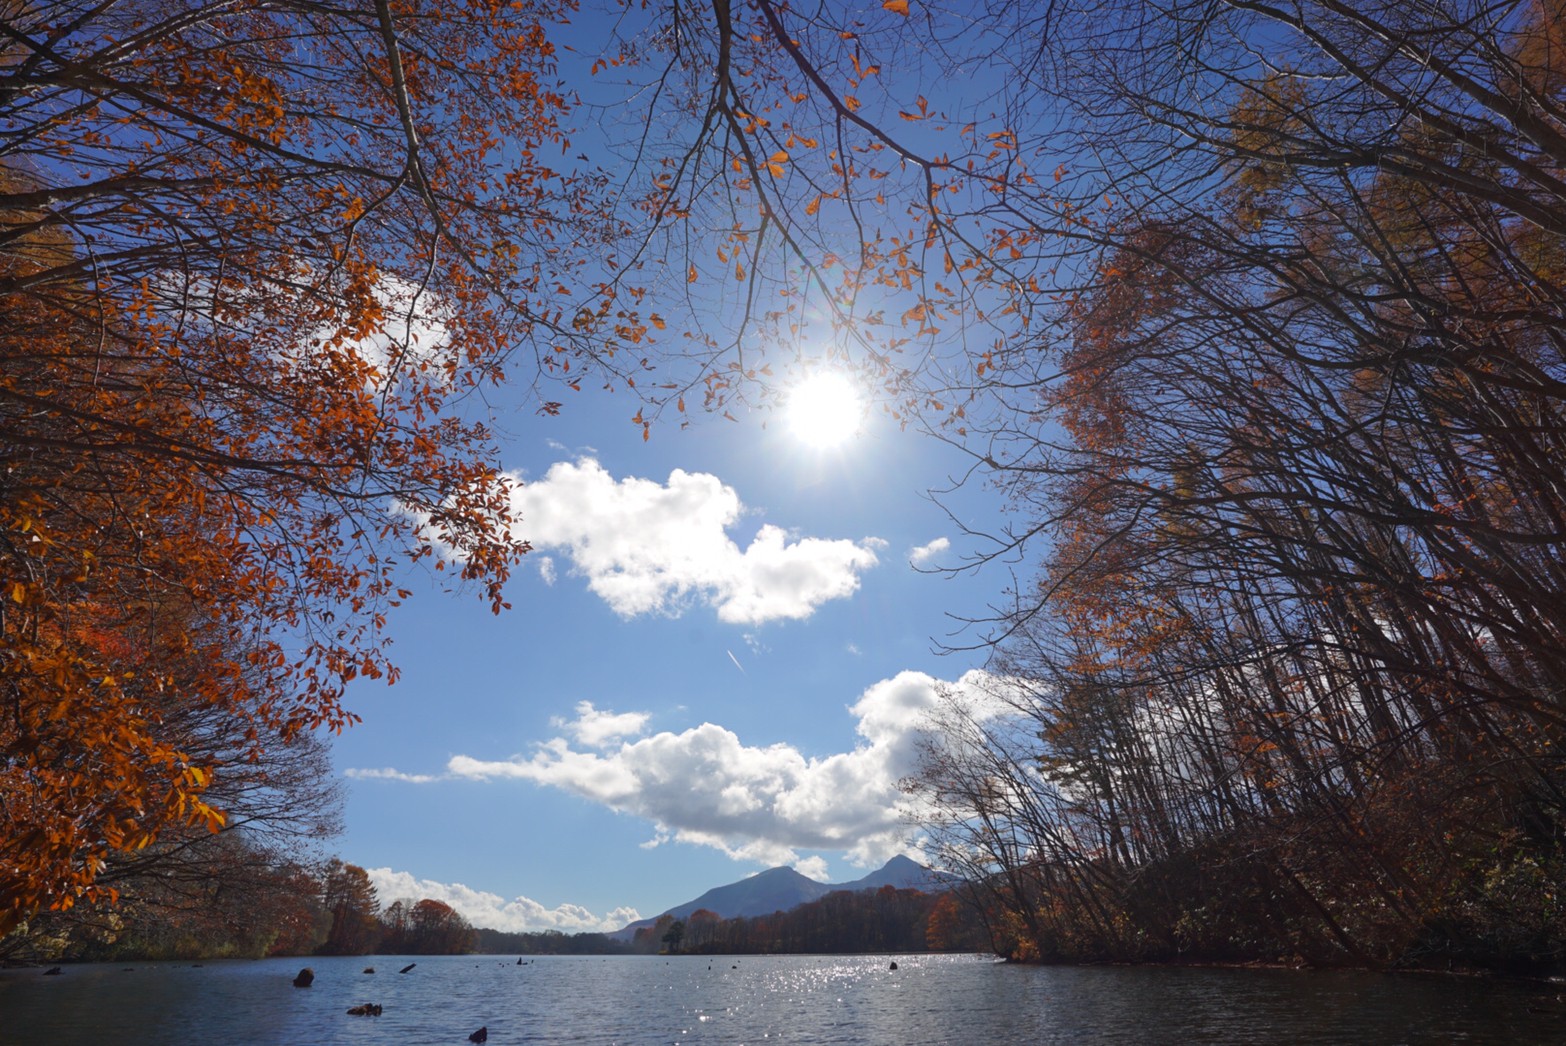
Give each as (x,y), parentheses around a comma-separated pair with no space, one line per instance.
(718,653)
(714,664)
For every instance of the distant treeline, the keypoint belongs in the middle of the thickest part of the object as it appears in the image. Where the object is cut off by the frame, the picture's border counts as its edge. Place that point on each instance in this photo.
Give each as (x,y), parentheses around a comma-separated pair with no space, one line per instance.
(237,901)
(548,942)
(225,896)
(884,920)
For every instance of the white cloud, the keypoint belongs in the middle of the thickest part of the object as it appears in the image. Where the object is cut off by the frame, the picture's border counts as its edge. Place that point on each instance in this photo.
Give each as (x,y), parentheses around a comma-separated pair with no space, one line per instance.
(546,569)
(595,728)
(925,554)
(813,868)
(755,803)
(482,908)
(411,345)
(647,547)
(388,774)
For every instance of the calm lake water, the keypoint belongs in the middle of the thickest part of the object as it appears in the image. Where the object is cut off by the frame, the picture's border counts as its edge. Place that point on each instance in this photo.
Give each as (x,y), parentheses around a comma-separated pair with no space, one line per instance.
(759,999)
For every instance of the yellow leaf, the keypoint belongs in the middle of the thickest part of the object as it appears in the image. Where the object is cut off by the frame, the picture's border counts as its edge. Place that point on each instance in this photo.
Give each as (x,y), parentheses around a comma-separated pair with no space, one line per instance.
(896,6)
(690,276)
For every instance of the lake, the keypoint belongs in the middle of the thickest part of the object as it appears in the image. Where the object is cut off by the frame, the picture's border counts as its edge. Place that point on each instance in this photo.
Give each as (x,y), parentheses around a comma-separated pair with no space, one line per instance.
(759,999)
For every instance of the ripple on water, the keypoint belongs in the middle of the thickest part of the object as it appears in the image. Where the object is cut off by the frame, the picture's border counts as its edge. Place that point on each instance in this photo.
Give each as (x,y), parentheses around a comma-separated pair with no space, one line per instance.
(809,1000)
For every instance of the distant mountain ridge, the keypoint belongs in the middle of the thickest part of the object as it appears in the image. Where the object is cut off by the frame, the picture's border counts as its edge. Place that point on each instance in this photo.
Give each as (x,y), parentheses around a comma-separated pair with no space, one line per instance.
(779,889)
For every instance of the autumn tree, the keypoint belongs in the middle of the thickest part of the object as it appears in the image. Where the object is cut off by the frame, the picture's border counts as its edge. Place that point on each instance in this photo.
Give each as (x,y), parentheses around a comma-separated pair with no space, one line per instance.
(701,927)
(248,889)
(435,928)
(253,260)
(347,893)
(1290,447)
(426,927)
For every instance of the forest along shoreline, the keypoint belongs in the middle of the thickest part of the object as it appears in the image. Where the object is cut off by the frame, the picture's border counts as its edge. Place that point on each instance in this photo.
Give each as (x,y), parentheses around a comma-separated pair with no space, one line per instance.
(348,921)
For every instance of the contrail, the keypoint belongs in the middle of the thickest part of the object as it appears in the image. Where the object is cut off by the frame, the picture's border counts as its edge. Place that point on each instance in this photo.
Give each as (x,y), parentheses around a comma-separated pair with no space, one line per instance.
(736,662)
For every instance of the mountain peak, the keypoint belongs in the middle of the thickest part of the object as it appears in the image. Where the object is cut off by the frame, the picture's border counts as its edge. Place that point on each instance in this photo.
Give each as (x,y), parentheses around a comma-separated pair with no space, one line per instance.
(781,888)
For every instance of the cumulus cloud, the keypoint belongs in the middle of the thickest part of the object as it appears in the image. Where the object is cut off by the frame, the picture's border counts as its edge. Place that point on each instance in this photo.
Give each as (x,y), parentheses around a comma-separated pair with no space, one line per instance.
(411,345)
(647,547)
(924,555)
(813,868)
(482,908)
(705,786)
(595,728)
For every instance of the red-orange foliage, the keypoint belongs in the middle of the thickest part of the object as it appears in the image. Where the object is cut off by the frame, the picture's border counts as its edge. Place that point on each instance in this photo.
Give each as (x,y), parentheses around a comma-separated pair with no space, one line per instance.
(251,258)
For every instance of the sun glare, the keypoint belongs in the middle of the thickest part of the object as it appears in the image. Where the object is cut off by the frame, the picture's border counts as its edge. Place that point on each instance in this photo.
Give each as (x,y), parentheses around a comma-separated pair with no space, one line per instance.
(824,410)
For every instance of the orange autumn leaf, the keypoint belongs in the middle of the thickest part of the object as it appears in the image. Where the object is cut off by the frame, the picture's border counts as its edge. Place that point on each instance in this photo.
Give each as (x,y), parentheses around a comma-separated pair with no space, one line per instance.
(206,484)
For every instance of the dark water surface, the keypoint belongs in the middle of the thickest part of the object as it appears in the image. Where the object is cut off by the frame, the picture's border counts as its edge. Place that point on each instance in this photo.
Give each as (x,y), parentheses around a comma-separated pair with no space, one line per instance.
(760,999)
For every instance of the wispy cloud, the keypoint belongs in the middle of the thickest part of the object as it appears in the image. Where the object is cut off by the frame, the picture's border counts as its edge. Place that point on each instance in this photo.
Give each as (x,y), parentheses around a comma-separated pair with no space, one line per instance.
(647,547)
(388,774)
(482,908)
(755,803)
(924,555)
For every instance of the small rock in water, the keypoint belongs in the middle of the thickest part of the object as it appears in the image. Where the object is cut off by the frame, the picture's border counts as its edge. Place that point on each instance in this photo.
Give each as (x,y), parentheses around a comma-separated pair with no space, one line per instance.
(305,978)
(369,1009)
(893,966)
(53,971)
(408,967)
(369,969)
(482,1035)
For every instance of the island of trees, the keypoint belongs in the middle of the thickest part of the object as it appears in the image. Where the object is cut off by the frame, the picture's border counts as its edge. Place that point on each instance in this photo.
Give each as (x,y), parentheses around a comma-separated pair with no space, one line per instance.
(1255,314)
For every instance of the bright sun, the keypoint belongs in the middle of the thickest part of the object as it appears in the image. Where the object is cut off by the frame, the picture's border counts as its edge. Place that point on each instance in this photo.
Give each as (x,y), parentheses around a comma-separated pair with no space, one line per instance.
(824,410)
